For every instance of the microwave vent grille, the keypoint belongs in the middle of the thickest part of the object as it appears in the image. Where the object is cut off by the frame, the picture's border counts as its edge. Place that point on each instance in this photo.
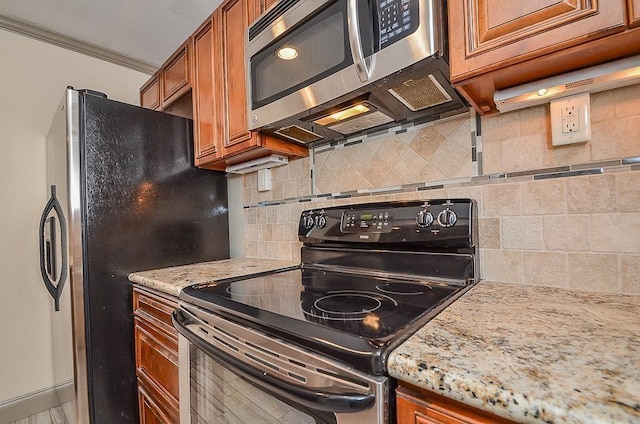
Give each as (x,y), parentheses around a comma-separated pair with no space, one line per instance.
(298,134)
(420,93)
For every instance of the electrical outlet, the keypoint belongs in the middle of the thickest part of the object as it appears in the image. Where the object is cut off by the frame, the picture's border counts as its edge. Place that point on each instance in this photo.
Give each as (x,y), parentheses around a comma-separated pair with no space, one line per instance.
(264,179)
(571,120)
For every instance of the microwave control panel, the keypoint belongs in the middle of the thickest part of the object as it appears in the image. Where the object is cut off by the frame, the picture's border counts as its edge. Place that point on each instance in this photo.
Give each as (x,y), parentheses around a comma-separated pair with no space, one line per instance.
(396,20)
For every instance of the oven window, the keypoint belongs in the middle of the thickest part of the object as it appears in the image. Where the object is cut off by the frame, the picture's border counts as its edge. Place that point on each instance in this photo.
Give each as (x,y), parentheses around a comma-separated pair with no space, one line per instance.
(309,53)
(218,396)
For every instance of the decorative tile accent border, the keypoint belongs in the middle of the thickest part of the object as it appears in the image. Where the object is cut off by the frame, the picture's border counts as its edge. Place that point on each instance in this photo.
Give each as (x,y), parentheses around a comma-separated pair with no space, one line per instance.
(619,165)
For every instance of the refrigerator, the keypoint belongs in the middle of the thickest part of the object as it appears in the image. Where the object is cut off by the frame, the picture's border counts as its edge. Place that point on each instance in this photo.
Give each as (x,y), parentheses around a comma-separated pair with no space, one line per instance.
(124,196)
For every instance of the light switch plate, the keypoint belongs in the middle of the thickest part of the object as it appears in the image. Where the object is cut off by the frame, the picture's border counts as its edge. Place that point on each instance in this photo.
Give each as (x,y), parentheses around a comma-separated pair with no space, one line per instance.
(264,179)
(571,120)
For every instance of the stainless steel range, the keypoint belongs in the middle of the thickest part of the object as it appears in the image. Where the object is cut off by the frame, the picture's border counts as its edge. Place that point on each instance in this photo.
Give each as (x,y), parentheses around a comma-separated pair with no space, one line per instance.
(309,344)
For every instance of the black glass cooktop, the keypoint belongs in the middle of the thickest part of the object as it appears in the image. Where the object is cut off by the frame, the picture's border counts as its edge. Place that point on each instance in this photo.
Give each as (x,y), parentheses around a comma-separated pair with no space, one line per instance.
(334,311)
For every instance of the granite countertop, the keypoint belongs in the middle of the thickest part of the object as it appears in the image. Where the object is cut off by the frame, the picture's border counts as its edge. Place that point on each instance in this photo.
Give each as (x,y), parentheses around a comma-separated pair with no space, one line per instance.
(173,280)
(531,354)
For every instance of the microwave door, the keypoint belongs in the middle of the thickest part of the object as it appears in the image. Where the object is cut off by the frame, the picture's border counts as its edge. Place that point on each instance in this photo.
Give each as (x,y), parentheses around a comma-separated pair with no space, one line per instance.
(309,64)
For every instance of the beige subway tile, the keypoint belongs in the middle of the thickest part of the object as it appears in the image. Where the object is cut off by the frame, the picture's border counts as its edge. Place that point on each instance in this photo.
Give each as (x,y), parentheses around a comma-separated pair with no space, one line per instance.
(615,138)
(565,155)
(278,232)
(616,232)
(489,233)
(246,195)
(548,269)
(502,265)
(567,232)
(592,194)
(450,127)
(267,232)
(250,248)
(261,215)
(272,214)
(535,121)
(250,216)
(409,166)
(278,190)
(250,179)
(282,212)
(450,158)
(391,150)
(491,157)
(594,272)
(303,185)
(603,106)
(629,191)
(630,273)
(252,232)
(462,136)
(295,251)
(522,153)
(469,192)
(426,142)
(284,250)
(289,189)
(281,173)
(407,195)
(502,199)
(544,197)
(432,194)
(522,232)
(627,101)
(503,126)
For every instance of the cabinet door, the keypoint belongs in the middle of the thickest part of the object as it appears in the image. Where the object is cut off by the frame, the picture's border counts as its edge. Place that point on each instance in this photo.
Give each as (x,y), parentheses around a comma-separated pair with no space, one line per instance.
(417,406)
(150,411)
(150,93)
(207,113)
(488,34)
(176,75)
(634,12)
(234,21)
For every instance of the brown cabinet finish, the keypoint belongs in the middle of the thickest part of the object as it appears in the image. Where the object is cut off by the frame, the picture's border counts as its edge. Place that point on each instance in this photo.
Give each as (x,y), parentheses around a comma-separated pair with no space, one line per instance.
(175,75)
(496,45)
(156,350)
(418,406)
(150,93)
(234,21)
(206,94)
(634,12)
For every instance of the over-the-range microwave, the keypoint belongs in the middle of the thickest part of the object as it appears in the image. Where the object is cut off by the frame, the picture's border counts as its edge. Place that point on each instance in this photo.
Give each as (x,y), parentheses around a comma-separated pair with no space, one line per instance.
(325,70)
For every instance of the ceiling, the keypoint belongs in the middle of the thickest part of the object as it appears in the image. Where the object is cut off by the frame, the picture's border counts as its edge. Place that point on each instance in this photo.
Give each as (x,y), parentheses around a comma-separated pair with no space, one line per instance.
(140,34)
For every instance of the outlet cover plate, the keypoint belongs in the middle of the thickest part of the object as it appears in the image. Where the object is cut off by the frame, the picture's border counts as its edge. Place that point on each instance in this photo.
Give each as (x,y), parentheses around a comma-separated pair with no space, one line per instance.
(571,120)
(264,179)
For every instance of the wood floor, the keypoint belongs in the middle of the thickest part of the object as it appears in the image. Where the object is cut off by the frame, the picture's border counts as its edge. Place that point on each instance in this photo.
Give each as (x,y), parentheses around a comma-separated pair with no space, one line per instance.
(59,415)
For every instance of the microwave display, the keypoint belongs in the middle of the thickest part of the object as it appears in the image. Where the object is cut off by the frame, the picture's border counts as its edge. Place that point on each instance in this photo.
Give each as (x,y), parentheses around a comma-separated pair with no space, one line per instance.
(396,20)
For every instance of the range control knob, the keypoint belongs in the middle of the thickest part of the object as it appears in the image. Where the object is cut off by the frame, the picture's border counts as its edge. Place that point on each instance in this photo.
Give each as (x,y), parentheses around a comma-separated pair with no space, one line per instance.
(424,219)
(308,222)
(321,221)
(447,218)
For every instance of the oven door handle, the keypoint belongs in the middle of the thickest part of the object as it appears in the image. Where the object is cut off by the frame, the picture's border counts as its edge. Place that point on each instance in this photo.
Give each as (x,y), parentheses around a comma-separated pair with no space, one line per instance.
(311,398)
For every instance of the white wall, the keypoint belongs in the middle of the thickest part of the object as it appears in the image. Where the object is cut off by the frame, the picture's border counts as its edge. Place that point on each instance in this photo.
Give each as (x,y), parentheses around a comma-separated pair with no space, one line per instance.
(33,76)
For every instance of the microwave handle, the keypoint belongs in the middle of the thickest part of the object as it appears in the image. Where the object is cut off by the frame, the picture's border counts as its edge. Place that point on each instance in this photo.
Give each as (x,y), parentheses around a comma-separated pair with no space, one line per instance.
(363,66)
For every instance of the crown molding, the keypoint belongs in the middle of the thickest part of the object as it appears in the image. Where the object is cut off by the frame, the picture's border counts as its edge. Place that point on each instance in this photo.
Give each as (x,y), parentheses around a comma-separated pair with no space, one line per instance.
(57,39)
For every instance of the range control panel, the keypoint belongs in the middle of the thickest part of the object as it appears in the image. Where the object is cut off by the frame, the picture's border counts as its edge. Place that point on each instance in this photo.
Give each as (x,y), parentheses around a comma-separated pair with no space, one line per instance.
(445,222)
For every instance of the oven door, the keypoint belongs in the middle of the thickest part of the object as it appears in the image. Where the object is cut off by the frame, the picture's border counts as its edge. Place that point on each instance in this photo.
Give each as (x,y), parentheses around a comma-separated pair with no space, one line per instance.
(240,375)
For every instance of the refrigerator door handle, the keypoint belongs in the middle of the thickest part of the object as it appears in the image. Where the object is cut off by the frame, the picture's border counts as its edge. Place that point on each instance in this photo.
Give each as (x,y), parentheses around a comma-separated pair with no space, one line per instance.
(48,256)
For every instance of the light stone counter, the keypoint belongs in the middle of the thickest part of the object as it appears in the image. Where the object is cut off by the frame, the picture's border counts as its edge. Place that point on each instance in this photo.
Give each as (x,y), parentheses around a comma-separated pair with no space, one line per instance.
(532,354)
(173,280)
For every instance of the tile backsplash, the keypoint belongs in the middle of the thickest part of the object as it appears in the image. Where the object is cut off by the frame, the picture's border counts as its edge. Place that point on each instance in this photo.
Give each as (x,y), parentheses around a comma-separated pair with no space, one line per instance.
(540,221)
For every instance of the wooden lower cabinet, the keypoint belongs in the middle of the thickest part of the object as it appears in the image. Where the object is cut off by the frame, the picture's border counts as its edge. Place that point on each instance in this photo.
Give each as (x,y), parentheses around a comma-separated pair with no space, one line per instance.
(156,348)
(415,405)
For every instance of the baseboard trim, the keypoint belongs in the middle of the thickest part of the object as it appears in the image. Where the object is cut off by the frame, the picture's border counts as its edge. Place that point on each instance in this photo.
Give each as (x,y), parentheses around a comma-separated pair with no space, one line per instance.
(35,402)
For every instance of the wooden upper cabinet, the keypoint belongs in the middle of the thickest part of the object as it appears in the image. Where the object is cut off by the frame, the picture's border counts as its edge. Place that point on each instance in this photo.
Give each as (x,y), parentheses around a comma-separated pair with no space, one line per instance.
(488,34)
(150,93)
(176,75)
(495,44)
(234,21)
(207,98)
(634,12)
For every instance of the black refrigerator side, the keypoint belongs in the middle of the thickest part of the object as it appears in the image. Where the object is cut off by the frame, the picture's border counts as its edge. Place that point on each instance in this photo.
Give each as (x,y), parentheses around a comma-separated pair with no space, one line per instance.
(144,206)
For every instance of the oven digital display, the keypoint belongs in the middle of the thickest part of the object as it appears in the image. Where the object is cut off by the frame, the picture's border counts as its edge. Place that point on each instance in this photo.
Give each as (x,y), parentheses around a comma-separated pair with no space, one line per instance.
(367,221)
